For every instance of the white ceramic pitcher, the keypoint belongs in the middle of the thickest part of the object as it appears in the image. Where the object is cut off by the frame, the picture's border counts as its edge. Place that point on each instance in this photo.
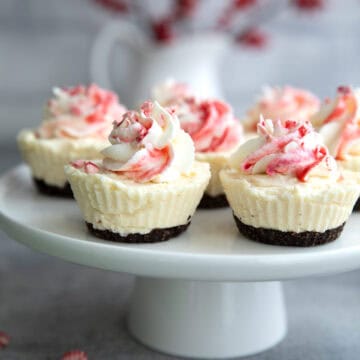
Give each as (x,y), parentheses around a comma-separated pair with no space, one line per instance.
(192,59)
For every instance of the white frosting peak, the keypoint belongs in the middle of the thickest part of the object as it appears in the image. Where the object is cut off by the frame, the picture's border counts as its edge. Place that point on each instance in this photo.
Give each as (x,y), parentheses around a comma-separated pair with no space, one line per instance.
(287,148)
(338,121)
(80,112)
(282,103)
(210,122)
(149,145)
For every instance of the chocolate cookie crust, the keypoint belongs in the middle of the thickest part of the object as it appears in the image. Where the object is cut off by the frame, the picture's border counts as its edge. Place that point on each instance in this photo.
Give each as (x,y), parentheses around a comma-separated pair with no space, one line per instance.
(213,202)
(288,238)
(52,190)
(357,205)
(155,235)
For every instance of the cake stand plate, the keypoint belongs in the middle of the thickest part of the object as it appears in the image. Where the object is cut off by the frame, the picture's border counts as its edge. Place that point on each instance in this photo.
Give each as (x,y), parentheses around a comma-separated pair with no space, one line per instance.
(209,293)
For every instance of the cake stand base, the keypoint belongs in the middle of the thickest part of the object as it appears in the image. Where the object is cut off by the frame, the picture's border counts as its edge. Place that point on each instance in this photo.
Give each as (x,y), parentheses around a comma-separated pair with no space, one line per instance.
(207,319)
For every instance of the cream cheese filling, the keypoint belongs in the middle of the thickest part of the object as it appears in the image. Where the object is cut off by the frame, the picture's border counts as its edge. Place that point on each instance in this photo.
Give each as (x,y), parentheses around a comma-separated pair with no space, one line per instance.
(112,202)
(47,157)
(217,162)
(277,203)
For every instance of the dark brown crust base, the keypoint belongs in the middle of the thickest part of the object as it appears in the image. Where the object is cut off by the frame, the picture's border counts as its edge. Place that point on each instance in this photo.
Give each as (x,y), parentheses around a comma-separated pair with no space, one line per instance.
(288,238)
(357,205)
(213,202)
(50,190)
(156,235)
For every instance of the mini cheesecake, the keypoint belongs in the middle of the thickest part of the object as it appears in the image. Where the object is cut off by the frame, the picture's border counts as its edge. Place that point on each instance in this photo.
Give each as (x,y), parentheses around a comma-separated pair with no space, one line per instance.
(47,158)
(213,128)
(338,121)
(76,125)
(214,196)
(148,185)
(117,208)
(285,189)
(280,103)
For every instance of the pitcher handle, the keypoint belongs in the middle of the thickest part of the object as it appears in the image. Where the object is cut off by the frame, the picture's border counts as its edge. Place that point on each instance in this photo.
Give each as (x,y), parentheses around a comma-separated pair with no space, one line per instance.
(115,31)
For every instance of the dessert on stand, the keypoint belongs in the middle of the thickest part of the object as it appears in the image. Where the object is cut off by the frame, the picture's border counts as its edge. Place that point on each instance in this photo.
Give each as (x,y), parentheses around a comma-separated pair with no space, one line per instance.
(138,176)
(280,103)
(76,123)
(209,293)
(212,126)
(286,189)
(338,122)
(147,187)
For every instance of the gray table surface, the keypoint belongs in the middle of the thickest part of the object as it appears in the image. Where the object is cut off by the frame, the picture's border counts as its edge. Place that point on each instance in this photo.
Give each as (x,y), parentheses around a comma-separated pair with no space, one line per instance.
(48,306)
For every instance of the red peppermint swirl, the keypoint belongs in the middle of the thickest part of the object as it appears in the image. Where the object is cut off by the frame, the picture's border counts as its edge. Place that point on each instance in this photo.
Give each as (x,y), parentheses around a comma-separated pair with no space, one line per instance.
(211,125)
(288,148)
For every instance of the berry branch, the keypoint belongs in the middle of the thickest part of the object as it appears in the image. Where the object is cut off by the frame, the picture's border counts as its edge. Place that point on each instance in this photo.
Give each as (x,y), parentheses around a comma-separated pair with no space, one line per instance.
(242,19)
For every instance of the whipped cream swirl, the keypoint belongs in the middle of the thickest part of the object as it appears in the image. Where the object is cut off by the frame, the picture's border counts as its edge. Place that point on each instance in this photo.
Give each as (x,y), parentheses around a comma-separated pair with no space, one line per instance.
(80,112)
(282,103)
(212,126)
(149,145)
(169,93)
(288,148)
(338,121)
(210,122)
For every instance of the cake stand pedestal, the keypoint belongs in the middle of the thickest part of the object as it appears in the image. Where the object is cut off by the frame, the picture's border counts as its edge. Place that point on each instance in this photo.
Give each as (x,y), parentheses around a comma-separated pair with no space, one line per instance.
(209,293)
(207,319)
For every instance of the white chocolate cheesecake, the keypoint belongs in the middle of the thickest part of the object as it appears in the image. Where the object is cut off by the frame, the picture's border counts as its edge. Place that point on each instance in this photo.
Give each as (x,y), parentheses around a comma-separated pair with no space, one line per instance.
(338,121)
(285,189)
(213,128)
(281,103)
(148,185)
(76,125)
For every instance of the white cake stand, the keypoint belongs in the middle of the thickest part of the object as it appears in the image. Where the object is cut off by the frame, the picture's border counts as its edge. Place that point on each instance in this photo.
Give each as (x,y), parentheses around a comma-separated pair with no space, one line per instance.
(209,293)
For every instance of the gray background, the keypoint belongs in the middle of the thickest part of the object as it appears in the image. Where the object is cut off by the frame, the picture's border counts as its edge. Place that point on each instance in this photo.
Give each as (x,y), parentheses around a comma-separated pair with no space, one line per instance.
(48,306)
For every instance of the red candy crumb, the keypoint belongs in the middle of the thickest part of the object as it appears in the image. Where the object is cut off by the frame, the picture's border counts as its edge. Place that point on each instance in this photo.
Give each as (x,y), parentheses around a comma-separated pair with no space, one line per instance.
(78,164)
(303,131)
(88,166)
(344,89)
(289,124)
(74,355)
(91,168)
(4,340)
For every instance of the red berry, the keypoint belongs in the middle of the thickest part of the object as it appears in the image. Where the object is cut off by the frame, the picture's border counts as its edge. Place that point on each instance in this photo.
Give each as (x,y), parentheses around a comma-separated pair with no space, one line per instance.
(74,355)
(309,4)
(4,340)
(163,31)
(242,4)
(252,38)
